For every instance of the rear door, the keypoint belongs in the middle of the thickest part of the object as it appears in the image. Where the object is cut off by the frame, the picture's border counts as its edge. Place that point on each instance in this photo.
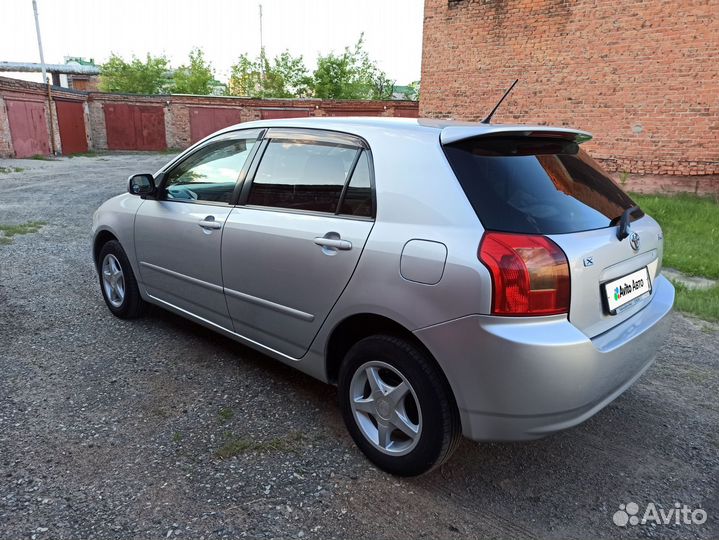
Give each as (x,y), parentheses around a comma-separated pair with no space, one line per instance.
(599,263)
(291,246)
(546,185)
(178,236)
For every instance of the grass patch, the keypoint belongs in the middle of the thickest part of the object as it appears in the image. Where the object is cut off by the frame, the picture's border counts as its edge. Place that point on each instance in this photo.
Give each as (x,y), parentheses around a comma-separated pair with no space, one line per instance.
(237,445)
(89,153)
(8,170)
(691,231)
(41,157)
(702,303)
(225,414)
(8,231)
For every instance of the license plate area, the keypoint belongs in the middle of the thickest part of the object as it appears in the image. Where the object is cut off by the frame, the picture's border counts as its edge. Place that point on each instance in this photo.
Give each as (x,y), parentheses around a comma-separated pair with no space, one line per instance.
(619,294)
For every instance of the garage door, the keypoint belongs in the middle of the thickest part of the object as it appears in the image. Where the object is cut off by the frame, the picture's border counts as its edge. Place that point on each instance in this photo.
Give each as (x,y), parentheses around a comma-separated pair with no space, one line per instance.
(71,118)
(207,120)
(28,127)
(271,114)
(135,127)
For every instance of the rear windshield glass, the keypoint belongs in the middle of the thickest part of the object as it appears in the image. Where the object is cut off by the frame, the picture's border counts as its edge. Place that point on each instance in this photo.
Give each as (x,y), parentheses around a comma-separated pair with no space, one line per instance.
(532,185)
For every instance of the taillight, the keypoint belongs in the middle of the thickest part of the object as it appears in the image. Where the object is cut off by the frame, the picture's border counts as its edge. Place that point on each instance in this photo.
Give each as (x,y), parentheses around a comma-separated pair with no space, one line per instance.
(530,274)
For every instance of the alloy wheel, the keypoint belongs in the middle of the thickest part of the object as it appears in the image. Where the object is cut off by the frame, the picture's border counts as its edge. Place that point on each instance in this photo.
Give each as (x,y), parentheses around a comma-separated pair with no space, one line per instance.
(113,280)
(385,408)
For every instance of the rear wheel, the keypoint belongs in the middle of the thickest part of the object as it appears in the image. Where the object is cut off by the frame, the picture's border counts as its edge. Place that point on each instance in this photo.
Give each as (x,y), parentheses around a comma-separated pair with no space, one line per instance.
(397,405)
(118,283)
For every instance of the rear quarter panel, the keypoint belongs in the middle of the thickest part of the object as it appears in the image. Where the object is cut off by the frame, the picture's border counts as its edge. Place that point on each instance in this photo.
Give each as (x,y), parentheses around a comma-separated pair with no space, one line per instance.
(418,197)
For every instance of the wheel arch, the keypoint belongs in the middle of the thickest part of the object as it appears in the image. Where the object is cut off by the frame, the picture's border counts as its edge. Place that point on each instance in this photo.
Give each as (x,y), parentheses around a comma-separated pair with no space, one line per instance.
(360,325)
(102,237)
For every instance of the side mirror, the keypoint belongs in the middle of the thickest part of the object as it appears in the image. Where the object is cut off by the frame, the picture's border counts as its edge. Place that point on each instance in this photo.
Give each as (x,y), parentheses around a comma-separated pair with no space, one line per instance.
(141,184)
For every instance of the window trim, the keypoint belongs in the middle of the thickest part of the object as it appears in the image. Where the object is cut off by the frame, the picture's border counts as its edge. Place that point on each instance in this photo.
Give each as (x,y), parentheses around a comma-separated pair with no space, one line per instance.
(310,136)
(261,208)
(228,135)
(350,174)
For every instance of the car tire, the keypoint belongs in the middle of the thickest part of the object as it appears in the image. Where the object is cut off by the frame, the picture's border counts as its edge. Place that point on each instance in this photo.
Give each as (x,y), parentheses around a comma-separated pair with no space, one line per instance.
(388,384)
(117,282)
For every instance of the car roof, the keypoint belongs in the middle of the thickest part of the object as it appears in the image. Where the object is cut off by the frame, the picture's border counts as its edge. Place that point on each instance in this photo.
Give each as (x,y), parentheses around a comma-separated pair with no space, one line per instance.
(449,131)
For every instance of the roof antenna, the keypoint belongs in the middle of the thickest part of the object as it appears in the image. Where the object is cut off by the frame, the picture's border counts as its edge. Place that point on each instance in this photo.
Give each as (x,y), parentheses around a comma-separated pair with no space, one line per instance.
(488,118)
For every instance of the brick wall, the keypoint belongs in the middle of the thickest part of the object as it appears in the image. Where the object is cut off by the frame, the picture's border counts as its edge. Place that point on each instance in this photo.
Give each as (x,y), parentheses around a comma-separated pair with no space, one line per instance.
(5,140)
(96,126)
(642,76)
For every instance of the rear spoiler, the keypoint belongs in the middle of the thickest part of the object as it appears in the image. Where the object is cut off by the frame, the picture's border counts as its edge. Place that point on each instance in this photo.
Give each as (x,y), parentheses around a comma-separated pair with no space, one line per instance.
(451,134)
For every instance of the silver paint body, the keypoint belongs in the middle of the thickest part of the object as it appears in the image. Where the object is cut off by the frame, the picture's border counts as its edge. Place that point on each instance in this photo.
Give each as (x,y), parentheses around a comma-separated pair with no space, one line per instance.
(260,279)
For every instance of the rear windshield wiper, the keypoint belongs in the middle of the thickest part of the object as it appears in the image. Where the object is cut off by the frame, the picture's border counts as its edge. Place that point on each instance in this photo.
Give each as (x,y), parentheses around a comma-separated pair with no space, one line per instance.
(622,233)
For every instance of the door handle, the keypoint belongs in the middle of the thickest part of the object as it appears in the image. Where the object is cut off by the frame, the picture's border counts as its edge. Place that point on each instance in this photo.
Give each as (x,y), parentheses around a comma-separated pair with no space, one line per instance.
(335,243)
(210,223)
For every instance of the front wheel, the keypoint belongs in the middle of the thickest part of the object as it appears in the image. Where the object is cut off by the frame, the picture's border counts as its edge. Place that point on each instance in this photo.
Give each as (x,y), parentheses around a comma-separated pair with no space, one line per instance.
(118,283)
(397,405)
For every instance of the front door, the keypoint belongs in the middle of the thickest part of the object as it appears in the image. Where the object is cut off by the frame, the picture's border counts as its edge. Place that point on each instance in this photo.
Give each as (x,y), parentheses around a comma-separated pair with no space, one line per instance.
(289,251)
(179,235)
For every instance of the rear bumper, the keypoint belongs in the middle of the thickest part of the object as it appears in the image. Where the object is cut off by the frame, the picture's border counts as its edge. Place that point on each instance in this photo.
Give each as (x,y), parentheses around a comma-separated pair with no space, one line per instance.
(516,378)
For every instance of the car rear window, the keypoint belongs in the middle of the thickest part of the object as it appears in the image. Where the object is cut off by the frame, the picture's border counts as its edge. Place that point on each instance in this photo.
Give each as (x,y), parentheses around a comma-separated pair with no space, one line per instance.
(536,185)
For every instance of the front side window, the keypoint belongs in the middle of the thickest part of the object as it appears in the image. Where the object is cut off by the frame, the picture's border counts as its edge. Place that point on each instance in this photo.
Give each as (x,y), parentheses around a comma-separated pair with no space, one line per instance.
(211,173)
(302,175)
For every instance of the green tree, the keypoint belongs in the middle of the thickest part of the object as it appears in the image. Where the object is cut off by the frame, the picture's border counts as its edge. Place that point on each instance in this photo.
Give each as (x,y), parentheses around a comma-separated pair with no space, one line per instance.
(351,75)
(245,77)
(195,78)
(286,76)
(412,92)
(134,77)
(333,78)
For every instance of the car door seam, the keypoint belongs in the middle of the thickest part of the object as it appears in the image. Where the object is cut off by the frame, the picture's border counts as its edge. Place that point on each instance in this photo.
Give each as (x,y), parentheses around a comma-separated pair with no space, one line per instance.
(329,311)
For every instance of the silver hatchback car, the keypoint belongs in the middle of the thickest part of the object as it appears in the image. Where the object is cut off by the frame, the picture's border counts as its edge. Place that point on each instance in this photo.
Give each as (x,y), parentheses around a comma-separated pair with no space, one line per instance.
(449,278)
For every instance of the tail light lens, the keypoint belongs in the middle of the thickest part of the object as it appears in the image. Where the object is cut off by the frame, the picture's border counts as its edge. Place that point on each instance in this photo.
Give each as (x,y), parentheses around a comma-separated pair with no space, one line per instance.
(530,274)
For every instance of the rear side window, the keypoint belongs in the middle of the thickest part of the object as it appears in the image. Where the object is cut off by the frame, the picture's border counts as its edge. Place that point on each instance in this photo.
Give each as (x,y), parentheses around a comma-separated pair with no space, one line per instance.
(358,197)
(536,185)
(302,175)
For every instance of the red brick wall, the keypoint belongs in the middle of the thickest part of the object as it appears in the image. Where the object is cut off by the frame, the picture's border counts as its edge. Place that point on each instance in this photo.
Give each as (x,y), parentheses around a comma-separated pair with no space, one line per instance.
(642,76)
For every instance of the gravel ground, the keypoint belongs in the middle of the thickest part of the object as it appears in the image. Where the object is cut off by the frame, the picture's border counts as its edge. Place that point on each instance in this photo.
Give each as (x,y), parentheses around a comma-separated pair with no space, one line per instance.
(159,428)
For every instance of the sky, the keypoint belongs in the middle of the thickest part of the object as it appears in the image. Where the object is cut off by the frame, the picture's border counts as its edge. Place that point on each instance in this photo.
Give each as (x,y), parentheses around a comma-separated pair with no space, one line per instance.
(222,28)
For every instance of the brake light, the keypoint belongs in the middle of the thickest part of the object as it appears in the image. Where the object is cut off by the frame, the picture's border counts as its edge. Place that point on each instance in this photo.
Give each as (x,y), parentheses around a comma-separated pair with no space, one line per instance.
(530,274)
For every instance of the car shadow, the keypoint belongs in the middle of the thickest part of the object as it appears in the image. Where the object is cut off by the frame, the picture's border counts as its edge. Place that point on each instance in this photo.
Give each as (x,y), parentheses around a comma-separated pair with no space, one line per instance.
(564,480)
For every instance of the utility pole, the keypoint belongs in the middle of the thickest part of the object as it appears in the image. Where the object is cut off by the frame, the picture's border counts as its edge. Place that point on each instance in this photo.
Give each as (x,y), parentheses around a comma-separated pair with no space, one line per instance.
(39,42)
(261,44)
(45,79)
(262,48)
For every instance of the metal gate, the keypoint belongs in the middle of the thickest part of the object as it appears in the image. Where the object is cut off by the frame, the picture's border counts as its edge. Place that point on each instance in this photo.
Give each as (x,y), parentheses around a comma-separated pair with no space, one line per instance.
(28,127)
(71,119)
(207,120)
(272,114)
(135,127)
